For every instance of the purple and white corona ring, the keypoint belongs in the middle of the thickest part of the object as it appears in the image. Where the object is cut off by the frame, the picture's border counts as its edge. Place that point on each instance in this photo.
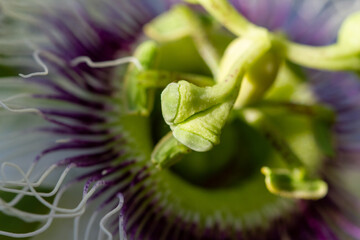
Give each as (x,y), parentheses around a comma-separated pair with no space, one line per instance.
(180,120)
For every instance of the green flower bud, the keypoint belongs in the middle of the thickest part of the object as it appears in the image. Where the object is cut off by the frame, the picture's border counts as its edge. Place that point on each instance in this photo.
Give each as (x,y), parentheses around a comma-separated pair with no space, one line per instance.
(202,131)
(182,100)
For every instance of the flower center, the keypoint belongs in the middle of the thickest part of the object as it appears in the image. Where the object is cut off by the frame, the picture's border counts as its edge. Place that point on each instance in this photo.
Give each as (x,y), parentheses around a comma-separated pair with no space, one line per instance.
(223,109)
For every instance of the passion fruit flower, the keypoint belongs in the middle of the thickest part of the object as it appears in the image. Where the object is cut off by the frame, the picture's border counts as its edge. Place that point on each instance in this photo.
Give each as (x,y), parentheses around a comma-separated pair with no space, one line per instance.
(84,139)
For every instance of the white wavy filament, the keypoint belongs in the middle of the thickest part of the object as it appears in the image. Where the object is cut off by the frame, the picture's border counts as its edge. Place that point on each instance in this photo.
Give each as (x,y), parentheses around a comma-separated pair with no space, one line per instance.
(111,63)
(108,216)
(38,60)
(28,189)
(20,110)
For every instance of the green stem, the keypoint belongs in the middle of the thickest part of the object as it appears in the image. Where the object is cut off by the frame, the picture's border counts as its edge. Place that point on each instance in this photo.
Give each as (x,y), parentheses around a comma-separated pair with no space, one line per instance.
(228,16)
(332,57)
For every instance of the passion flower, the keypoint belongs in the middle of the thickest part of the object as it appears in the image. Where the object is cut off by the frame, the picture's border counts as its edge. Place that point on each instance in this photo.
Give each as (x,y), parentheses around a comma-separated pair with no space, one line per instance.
(202,119)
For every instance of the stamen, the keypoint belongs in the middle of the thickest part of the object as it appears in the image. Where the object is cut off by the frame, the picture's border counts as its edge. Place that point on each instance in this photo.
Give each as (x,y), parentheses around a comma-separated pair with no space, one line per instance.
(112,63)
(41,63)
(107,216)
